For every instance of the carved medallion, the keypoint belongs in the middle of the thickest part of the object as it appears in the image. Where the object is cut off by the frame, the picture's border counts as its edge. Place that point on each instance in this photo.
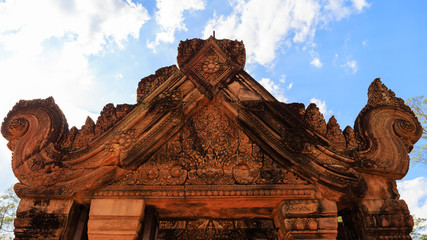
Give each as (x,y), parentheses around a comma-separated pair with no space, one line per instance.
(209,66)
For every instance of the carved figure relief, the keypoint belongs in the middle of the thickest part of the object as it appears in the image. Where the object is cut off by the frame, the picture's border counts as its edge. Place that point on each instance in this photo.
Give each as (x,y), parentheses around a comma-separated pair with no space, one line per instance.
(210,149)
(201,229)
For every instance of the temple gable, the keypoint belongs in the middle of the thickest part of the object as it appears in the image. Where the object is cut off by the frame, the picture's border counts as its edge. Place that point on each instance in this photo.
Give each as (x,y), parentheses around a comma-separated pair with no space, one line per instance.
(210,150)
(207,153)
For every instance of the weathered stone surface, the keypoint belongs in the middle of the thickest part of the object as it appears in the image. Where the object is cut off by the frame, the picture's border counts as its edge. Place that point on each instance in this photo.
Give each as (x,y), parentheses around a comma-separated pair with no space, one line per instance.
(207,141)
(306,219)
(44,218)
(115,218)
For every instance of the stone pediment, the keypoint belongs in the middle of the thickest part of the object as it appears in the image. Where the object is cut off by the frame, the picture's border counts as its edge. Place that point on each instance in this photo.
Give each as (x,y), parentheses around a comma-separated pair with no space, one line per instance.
(210,74)
(210,149)
(205,137)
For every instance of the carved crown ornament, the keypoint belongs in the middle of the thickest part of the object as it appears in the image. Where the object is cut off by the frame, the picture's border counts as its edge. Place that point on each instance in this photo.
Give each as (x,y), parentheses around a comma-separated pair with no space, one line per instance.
(203,124)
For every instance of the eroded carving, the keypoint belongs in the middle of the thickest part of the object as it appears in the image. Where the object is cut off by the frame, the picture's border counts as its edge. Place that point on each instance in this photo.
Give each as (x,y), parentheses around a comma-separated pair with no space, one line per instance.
(217,229)
(210,149)
(207,64)
(388,129)
(148,84)
(209,131)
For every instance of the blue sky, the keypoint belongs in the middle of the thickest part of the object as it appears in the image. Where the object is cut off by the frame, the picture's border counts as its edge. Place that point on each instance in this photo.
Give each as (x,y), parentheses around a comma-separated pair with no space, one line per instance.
(89,53)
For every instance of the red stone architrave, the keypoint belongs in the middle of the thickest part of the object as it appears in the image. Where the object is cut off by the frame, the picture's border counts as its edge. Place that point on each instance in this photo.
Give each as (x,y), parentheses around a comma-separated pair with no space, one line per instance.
(208,153)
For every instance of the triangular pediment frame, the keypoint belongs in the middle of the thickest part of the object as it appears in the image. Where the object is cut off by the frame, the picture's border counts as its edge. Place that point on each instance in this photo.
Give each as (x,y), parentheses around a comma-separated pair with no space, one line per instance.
(256,112)
(210,72)
(331,172)
(164,111)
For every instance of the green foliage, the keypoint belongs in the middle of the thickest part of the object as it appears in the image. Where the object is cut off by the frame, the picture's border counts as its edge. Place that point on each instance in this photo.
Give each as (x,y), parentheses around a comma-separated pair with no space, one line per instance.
(420,224)
(8,204)
(419,106)
(419,155)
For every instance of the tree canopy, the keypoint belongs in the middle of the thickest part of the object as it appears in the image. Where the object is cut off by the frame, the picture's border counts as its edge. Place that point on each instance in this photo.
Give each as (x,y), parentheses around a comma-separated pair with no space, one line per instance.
(419,155)
(419,106)
(8,204)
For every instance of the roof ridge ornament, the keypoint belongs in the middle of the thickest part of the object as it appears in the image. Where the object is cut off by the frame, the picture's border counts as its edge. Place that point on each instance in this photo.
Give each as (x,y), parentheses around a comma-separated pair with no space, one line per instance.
(209,63)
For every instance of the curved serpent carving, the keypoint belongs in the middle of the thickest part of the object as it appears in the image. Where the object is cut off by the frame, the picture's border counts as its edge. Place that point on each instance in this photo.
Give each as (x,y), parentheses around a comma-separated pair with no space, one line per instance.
(33,129)
(389,130)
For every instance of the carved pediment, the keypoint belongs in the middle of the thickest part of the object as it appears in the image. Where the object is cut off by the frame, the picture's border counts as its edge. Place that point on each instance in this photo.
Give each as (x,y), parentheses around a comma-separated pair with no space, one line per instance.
(208,122)
(210,149)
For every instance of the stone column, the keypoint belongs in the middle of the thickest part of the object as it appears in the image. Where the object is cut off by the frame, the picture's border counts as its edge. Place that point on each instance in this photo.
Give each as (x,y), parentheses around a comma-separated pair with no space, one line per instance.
(384,219)
(45,218)
(306,219)
(115,218)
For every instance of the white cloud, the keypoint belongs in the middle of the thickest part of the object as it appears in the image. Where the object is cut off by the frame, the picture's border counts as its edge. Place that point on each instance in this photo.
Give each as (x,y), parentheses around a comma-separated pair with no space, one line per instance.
(364,43)
(273,88)
(350,65)
(283,78)
(45,47)
(360,4)
(269,85)
(414,192)
(265,26)
(170,18)
(322,106)
(6,176)
(316,62)
(336,9)
(48,43)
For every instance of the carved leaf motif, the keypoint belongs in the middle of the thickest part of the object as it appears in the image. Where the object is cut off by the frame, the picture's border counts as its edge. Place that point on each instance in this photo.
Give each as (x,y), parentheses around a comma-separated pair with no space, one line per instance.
(216,229)
(210,150)
(334,133)
(148,84)
(315,119)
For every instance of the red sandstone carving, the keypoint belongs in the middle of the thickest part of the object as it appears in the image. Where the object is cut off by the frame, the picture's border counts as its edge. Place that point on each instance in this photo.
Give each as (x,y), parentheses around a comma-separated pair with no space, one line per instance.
(207,142)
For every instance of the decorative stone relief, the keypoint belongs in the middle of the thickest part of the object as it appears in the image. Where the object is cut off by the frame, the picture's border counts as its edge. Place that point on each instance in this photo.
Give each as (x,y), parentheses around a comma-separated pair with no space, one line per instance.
(210,149)
(261,229)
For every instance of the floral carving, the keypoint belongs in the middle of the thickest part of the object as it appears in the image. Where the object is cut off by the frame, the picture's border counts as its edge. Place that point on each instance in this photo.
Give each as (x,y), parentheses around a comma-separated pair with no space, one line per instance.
(315,119)
(210,150)
(211,64)
(207,64)
(121,143)
(148,84)
(216,229)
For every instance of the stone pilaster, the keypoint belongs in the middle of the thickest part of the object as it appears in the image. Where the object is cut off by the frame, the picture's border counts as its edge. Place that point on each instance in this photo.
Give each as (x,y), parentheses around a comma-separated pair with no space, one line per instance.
(385,219)
(115,218)
(306,219)
(44,218)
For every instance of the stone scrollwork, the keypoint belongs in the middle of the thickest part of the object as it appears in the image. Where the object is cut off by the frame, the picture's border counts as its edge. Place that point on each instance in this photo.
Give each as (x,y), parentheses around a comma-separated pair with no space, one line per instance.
(389,129)
(34,129)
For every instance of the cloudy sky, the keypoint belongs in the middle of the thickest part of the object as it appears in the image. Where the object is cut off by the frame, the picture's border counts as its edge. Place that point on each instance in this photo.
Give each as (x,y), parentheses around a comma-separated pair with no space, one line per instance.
(89,53)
